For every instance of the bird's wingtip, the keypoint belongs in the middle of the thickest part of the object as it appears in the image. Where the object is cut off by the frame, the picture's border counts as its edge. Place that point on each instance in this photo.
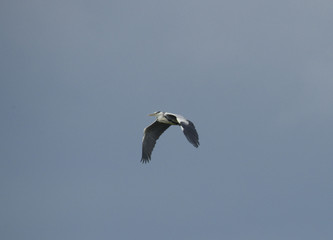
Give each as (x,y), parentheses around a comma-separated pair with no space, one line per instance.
(144,160)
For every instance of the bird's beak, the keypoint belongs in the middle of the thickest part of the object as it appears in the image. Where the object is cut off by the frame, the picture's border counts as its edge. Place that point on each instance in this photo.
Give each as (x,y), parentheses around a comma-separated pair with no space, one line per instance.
(152,114)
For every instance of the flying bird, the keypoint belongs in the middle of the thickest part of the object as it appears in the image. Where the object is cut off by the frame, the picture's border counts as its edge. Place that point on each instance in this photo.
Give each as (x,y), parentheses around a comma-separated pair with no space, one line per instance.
(155,130)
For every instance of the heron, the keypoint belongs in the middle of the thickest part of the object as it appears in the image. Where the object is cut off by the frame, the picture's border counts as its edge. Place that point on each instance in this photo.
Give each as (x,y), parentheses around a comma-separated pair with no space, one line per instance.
(155,130)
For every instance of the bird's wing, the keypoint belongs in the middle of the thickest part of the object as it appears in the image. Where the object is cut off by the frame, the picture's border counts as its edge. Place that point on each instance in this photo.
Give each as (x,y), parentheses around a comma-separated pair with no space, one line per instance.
(151,134)
(189,130)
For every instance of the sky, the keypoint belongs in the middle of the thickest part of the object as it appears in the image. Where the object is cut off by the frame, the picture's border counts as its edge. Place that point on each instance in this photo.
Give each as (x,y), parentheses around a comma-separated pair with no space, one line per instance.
(79,78)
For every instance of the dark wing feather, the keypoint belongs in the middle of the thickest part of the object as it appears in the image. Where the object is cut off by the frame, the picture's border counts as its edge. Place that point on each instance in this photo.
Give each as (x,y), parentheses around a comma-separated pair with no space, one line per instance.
(190,133)
(151,134)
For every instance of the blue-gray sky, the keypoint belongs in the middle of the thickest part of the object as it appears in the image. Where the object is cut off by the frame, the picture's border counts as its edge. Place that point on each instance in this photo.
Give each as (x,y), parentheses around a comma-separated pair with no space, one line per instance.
(78,79)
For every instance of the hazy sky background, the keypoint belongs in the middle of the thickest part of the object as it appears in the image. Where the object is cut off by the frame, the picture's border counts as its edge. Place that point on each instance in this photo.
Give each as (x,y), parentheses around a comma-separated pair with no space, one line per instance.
(78,78)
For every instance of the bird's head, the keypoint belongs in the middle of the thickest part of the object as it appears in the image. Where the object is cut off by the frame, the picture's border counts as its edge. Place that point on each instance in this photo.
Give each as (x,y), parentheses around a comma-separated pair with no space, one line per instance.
(155,113)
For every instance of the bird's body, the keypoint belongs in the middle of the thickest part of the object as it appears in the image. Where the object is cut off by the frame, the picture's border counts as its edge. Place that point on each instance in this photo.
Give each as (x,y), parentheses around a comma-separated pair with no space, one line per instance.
(163,121)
